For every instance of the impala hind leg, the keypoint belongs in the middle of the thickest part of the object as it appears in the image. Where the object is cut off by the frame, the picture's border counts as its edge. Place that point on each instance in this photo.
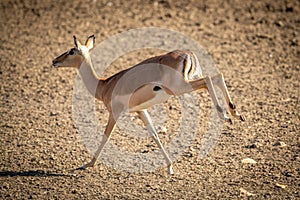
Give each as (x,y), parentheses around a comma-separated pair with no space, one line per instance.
(109,128)
(220,82)
(212,92)
(206,83)
(144,115)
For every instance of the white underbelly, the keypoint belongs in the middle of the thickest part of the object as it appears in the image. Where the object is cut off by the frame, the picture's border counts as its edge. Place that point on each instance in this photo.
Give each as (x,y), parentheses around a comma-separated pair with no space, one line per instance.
(160,97)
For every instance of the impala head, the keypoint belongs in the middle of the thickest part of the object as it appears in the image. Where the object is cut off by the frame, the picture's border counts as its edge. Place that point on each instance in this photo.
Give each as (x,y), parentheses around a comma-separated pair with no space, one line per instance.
(75,56)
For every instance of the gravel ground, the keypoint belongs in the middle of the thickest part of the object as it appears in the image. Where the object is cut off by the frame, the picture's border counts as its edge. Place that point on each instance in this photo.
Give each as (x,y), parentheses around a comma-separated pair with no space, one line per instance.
(254,43)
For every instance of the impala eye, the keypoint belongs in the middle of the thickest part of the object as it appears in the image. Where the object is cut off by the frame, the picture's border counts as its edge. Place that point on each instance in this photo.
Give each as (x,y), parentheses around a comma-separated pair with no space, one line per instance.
(71,52)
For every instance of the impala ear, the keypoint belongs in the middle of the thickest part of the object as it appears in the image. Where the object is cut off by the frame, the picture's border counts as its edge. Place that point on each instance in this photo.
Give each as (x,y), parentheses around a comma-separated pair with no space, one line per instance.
(90,42)
(76,42)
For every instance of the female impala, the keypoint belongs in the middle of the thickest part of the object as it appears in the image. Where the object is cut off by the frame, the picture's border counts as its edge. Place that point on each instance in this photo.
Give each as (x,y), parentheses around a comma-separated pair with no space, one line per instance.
(173,73)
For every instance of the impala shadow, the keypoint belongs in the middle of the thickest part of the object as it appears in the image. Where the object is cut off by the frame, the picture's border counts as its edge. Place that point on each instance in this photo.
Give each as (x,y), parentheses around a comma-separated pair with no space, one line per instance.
(37,173)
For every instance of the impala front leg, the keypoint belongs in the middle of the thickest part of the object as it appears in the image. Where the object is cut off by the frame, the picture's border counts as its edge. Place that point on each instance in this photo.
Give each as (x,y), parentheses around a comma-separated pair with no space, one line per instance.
(220,82)
(109,128)
(144,115)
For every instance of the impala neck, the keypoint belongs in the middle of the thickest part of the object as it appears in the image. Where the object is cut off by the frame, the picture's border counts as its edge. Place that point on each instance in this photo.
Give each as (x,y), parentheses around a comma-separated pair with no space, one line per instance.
(90,79)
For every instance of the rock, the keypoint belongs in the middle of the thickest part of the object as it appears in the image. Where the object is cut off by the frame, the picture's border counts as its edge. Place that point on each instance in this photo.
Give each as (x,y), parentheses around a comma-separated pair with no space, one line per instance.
(245,192)
(279,23)
(251,146)
(248,161)
(162,129)
(53,113)
(279,144)
(192,149)
(280,185)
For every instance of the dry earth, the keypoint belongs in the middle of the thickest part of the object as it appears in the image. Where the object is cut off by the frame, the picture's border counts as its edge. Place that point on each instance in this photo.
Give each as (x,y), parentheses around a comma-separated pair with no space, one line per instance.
(254,43)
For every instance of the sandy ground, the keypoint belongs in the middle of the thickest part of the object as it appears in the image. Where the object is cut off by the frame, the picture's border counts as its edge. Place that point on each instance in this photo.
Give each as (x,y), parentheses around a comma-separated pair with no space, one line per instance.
(254,43)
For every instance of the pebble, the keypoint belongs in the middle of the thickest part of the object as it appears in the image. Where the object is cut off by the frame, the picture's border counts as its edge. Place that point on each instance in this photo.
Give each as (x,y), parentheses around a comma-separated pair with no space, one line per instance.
(192,149)
(251,146)
(280,185)
(279,144)
(248,161)
(245,192)
(162,129)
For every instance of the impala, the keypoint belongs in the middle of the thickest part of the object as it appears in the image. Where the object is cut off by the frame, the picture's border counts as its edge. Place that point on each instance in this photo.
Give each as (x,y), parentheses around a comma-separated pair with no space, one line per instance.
(174,73)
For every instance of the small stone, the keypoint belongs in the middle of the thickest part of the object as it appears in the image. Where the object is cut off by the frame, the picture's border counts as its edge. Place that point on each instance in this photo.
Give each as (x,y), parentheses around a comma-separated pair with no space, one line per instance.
(248,161)
(162,129)
(245,192)
(280,185)
(279,23)
(53,113)
(251,146)
(74,191)
(279,144)
(192,149)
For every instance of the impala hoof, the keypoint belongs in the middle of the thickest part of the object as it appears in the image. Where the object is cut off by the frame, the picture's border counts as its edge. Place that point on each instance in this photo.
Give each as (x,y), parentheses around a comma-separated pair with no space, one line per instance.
(170,170)
(229,120)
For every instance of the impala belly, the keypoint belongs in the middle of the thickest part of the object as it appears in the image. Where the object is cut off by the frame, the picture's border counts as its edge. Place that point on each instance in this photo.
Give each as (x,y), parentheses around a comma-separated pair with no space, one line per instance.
(147,96)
